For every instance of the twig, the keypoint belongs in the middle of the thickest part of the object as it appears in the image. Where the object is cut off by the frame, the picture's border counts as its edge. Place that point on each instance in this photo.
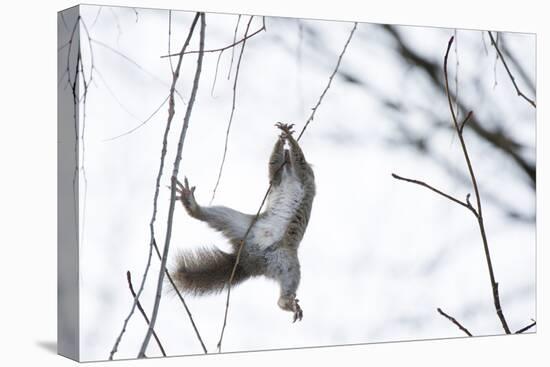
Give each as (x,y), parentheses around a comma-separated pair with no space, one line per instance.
(216,73)
(481,224)
(519,92)
(170,39)
(226,47)
(453,320)
(174,180)
(140,308)
(133,62)
(517,65)
(113,94)
(232,112)
(178,293)
(142,123)
(155,199)
(465,121)
(233,48)
(96,16)
(314,109)
(466,204)
(520,331)
(241,245)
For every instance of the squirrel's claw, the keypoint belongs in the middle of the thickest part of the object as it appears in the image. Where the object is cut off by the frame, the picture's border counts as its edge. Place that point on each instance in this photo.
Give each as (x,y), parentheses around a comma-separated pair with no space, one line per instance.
(298,313)
(287,129)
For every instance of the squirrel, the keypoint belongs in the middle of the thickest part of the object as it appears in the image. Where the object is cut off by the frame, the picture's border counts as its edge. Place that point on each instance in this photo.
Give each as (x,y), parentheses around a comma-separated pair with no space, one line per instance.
(271,246)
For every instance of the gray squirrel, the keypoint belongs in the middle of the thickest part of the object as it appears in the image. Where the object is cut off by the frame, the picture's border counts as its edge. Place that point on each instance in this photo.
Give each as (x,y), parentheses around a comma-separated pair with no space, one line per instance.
(271,247)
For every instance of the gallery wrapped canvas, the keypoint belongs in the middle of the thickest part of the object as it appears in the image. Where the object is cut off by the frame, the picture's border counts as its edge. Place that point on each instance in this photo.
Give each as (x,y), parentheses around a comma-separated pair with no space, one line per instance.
(233,182)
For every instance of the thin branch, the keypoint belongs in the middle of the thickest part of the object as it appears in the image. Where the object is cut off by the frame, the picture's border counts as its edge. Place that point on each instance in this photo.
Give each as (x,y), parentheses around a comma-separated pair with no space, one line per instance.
(522,330)
(113,94)
(216,73)
(517,65)
(155,199)
(96,16)
(453,320)
(481,224)
(142,123)
(518,91)
(178,293)
(170,38)
(314,109)
(233,48)
(226,47)
(242,242)
(466,204)
(465,121)
(140,308)
(232,112)
(174,180)
(133,62)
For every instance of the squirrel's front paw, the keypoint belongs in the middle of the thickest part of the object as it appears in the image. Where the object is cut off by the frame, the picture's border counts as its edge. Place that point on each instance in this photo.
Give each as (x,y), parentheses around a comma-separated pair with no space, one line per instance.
(187,196)
(287,129)
(291,304)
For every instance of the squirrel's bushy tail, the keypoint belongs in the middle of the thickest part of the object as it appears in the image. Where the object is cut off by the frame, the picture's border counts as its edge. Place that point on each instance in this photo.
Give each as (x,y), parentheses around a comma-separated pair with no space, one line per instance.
(206,271)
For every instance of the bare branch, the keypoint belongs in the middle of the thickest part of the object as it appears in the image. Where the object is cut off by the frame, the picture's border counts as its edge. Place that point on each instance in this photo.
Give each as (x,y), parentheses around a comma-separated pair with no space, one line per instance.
(133,62)
(155,199)
(216,73)
(96,16)
(226,47)
(481,224)
(175,176)
(233,48)
(518,91)
(142,123)
(524,329)
(466,204)
(465,121)
(131,287)
(170,39)
(178,293)
(453,320)
(232,111)
(314,109)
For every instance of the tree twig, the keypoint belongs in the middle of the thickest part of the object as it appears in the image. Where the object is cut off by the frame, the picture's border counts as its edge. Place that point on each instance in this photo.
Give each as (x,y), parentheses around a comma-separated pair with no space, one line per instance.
(233,48)
(174,179)
(314,109)
(518,91)
(480,221)
(241,245)
(453,320)
(141,123)
(178,293)
(466,204)
(226,47)
(232,111)
(155,199)
(524,329)
(140,308)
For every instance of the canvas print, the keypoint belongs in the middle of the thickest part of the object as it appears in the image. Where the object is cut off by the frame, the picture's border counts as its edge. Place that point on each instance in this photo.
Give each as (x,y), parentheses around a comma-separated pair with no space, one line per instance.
(236,182)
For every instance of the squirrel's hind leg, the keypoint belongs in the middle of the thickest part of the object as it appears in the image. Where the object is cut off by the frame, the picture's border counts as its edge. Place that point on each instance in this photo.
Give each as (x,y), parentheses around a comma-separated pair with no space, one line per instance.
(284,267)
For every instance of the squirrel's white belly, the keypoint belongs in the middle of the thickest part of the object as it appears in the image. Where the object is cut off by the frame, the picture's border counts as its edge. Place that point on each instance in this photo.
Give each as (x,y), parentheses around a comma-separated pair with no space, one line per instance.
(282,204)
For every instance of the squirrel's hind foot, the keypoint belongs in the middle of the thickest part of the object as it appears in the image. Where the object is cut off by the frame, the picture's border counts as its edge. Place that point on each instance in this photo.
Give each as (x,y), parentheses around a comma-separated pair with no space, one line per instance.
(291,304)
